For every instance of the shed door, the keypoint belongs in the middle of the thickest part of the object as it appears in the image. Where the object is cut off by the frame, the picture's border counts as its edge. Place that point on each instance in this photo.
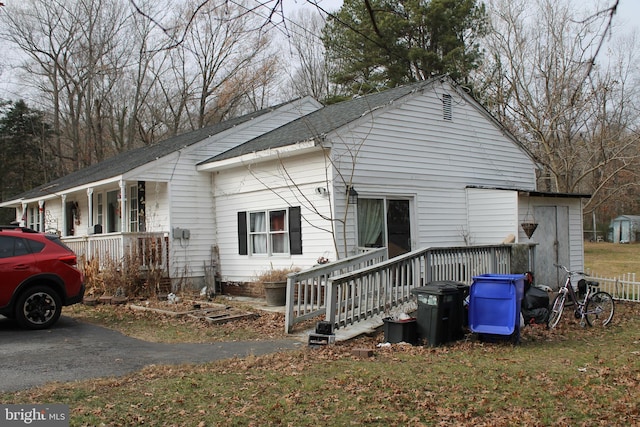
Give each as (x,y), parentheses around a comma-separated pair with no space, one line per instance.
(552,237)
(625,232)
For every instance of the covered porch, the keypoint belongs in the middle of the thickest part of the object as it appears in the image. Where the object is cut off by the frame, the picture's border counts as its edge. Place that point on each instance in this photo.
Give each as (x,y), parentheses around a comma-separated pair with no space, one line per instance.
(114,221)
(149,250)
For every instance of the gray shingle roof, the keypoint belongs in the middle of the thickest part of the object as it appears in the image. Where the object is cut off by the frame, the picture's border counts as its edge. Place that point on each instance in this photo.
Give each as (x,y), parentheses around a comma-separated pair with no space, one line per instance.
(320,122)
(129,160)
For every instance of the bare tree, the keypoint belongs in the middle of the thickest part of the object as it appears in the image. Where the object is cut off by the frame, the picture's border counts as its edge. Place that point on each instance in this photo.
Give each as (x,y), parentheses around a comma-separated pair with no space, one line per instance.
(228,55)
(111,80)
(547,79)
(73,54)
(223,66)
(311,71)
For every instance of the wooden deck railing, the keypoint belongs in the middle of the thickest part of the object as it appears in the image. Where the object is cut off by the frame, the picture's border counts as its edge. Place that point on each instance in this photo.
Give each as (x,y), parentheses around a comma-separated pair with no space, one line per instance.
(373,290)
(149,250)
(307,290)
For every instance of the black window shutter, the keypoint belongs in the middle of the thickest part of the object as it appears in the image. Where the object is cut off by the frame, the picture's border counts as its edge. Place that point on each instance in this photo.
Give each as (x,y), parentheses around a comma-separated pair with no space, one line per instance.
(242,233)
(295,230)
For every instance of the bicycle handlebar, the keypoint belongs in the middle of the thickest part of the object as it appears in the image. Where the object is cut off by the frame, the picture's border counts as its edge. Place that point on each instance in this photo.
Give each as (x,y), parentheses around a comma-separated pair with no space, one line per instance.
(569,271)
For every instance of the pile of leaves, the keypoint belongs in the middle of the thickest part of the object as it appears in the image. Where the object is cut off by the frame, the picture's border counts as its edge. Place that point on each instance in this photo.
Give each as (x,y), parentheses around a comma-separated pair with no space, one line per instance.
(158,327)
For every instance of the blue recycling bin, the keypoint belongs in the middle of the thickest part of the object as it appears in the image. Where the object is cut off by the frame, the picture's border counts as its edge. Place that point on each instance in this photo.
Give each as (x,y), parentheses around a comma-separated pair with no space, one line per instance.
(494,304)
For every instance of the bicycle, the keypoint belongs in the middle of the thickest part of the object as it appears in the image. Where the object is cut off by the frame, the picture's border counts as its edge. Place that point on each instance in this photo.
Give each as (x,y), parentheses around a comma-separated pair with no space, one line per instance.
(596,308)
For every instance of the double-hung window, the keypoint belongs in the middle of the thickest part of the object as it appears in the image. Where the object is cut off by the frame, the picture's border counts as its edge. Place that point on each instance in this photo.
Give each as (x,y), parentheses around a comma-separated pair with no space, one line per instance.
(270,232)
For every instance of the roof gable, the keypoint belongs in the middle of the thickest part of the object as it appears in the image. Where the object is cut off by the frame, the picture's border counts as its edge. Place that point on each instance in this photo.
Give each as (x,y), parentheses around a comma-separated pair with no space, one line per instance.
(319,123)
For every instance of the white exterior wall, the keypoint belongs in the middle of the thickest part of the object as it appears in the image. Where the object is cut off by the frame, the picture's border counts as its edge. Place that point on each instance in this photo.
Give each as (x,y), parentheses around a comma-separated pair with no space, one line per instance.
(156,206)
(408,149)
(275,184)
(177,195)
(53,215)
(189,204)
(492,216)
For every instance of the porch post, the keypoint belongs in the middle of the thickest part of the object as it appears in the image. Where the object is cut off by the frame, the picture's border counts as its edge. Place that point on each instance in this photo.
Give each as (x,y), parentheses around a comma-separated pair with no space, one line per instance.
(41,214)
(63,198)
(123,222)
(24,217)
(123,206)
(90,213)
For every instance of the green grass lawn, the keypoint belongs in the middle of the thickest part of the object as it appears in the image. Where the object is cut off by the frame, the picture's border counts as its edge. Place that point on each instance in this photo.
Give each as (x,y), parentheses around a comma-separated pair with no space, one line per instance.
(612,259)
(569,376)
(566,377)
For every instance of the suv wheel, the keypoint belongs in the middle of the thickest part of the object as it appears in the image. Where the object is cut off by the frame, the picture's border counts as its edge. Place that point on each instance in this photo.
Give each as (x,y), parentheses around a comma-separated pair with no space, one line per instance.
(38,308)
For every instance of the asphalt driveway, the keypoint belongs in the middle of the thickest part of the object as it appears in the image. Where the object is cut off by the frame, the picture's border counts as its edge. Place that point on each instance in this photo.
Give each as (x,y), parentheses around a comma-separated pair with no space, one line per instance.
(73,350)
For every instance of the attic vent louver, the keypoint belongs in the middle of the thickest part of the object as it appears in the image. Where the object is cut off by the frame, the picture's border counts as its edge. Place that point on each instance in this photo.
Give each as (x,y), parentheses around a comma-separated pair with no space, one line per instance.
(446,106)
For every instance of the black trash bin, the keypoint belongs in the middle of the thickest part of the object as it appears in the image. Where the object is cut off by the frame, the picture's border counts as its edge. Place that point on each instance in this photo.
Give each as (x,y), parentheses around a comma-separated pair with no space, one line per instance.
(441,312)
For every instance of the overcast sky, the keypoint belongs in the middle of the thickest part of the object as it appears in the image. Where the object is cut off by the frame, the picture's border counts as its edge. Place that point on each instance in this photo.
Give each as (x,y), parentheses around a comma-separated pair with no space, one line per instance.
(628,17)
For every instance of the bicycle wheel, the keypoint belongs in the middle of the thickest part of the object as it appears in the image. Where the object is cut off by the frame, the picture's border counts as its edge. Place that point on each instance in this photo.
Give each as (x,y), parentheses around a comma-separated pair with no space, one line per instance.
(599,310)
(556,310)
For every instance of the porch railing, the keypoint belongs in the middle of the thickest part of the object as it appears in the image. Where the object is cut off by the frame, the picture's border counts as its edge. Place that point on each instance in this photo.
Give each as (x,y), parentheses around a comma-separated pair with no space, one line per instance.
(149,250)
(307,290)
(374,290)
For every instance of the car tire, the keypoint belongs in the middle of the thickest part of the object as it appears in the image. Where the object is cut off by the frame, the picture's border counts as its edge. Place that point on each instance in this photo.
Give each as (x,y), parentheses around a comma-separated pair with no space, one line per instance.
(38,307)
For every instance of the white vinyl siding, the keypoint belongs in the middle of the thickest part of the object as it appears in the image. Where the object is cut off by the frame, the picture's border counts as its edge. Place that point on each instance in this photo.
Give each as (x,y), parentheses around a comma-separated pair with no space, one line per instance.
(492,215)
(190,204)
(407,149)
(266,187)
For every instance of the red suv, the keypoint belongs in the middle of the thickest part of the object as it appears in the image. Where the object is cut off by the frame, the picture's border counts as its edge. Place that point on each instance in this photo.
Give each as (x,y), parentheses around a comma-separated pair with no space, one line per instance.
(38,276)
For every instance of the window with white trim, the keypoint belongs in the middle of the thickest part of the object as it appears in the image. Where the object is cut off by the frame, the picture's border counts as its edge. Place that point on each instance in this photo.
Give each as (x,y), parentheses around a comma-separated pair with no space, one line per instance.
(270,232)
(35,218)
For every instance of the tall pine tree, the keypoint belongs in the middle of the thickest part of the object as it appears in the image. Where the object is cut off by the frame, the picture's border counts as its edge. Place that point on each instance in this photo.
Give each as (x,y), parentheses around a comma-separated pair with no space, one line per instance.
(384,43)
(23,149)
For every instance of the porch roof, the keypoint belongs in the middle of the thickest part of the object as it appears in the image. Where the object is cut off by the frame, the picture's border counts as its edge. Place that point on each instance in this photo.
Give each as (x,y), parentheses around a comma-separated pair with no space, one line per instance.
(129,160)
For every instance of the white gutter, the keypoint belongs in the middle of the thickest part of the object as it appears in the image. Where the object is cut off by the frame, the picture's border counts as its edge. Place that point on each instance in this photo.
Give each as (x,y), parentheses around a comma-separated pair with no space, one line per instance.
(260,156)
(49,193)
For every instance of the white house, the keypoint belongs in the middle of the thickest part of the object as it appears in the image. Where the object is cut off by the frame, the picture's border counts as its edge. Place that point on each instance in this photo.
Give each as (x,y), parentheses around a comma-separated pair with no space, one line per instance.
(151,198)
(411,167)
(415,166)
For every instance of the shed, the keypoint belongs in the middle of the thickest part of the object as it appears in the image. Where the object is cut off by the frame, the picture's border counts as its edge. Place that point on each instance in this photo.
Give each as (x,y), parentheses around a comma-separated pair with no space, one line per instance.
(624,229)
